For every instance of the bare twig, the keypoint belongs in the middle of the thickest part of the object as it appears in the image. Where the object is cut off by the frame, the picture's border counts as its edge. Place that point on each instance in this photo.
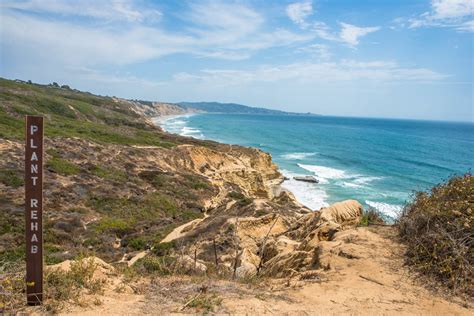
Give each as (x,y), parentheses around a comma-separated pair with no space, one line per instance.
(371,280)
(215,251)
(262,248)
(190,301)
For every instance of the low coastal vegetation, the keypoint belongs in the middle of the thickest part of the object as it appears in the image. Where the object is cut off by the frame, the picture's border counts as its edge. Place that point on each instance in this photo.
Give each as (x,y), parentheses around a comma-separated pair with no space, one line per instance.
(371,216)
(438,229)
(116,186)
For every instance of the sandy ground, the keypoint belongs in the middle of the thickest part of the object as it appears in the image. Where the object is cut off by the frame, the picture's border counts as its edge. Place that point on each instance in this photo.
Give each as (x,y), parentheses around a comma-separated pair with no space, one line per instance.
(366,276)
(180,231)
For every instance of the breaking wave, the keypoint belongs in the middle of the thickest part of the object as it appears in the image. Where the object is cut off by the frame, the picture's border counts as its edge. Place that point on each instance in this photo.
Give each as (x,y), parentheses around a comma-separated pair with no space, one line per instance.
(309,194)
(297,156)
(390,210)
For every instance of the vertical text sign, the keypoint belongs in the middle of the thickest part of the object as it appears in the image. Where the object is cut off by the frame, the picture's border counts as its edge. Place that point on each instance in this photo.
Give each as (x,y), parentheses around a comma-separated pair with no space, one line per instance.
(34,209)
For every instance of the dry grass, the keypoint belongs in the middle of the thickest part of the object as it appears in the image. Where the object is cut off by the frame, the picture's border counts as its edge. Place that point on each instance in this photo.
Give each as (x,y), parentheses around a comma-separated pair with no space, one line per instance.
(371,217)
(60,287)
(438,229)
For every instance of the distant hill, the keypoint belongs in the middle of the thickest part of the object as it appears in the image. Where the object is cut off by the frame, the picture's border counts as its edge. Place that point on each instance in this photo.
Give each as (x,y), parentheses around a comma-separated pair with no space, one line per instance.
(216,107)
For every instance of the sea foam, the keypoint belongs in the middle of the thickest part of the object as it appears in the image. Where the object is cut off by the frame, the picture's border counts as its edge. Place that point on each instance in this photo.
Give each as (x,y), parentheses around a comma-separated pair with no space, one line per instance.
(297,156)
(309,194)
(391,210)
(324,173)
(360,181)
(178,125)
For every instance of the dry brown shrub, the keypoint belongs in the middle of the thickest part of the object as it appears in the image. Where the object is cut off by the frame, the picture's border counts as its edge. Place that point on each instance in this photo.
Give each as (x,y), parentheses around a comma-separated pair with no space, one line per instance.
(437,228)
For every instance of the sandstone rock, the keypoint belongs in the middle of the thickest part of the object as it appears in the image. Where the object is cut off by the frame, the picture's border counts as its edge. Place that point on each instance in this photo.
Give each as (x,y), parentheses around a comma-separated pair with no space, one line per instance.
(187,264)
(245,270)
(306,236)
(346,213)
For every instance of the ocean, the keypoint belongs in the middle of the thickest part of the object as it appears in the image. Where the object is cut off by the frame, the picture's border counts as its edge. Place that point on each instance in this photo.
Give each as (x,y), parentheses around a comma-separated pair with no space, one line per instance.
(379,162)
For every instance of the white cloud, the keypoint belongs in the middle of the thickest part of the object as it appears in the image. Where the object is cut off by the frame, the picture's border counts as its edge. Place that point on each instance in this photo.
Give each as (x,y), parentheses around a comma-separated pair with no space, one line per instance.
(318,51)
(466,26)
(299,11)
(311,72)
(323,31)
(216,30)
(455,14)
(448,9)
(67,44)
(111,10)
(350,34)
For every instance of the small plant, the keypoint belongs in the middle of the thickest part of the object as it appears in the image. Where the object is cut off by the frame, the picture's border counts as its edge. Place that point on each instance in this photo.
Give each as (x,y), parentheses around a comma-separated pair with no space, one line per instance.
(109,173)
(242,200)
(371,217)
(11,178)
(206,303)
(67,286)
(63,166)
(12,288)
(235,195)
(245,201)
(155,265)
(53,153)
(137,243)
(163,249)
(114,225)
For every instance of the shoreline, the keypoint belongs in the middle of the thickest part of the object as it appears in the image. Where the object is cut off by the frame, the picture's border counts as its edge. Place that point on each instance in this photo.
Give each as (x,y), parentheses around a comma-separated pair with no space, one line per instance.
(313,196)
(298,194)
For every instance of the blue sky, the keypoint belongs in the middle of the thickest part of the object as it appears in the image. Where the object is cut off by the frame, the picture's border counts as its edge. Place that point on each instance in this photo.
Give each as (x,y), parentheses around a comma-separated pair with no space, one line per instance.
(400,58)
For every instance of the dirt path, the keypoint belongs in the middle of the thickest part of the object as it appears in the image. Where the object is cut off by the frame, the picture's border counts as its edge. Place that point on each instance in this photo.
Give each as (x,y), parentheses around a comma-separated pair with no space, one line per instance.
(366,276)
(180,231)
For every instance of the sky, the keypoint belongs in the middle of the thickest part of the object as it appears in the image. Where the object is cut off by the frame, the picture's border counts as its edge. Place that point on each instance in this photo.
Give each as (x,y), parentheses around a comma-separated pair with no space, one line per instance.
(371,58)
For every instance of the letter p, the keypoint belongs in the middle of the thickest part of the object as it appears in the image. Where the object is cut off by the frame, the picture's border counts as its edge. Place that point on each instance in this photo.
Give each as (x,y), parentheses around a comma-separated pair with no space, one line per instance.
(33,129)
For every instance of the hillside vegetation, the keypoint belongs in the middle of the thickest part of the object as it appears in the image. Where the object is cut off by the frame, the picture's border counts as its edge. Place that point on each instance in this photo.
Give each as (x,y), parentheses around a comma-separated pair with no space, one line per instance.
(139,220)
(71,113)
(438,229)
(99,189)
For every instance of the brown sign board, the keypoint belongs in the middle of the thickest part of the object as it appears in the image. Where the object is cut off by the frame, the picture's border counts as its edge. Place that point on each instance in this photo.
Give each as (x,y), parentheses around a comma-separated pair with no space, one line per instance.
(34,209)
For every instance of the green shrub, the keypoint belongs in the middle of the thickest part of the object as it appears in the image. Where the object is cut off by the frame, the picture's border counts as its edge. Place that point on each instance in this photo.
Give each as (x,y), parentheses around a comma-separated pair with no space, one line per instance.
(109,173)
(245,201)
(12,178)
(146,207)
(155,265)
(242,200)
(438,229)
(137,243)
(14,254)
(371,217)
(63,166)
(163,249)
(206,303)
(53,153)
(115,225)
(63,286)
(196,182)
(235,195)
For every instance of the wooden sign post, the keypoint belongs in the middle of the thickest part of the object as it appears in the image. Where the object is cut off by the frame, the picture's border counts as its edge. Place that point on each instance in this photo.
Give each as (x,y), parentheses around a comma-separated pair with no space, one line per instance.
(34,209)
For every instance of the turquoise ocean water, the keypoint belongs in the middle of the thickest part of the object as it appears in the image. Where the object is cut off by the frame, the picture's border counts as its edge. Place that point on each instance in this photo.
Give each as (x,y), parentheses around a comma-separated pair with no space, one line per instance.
(378,162)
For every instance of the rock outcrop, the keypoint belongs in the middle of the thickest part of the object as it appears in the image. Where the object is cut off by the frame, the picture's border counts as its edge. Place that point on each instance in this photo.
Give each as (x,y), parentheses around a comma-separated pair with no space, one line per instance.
(278,244)
(250,170)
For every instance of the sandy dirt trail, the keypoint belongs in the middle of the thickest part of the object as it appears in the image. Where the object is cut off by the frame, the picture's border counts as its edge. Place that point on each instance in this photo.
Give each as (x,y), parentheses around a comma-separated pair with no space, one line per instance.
(366,277)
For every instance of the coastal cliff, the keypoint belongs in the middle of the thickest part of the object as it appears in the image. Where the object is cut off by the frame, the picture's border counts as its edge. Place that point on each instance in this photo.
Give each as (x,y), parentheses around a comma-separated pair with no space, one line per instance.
(153,208)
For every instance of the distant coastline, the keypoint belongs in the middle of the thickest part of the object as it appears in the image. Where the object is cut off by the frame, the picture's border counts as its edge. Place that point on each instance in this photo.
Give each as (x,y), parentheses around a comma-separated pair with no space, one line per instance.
(351,157)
